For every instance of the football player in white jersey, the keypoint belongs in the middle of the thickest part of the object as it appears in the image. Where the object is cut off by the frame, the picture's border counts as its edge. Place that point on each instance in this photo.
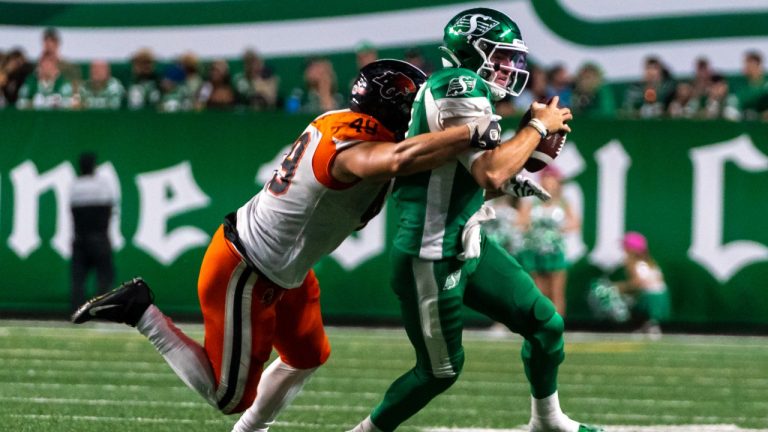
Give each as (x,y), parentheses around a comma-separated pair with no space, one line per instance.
(256,286)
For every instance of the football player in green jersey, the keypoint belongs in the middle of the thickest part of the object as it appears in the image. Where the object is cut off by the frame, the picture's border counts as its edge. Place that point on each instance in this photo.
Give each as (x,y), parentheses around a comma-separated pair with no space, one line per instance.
(441,261)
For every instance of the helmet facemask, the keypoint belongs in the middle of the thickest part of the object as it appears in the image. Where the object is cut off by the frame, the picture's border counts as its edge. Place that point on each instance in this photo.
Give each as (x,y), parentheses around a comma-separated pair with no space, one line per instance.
(503,66)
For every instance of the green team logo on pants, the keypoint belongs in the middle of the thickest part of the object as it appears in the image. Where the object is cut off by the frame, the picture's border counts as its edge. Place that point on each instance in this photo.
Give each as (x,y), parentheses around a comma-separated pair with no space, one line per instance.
(452,280)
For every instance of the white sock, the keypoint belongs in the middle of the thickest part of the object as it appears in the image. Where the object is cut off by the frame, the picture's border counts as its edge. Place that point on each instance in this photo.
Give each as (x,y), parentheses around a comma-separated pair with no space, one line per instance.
(546,415)
(185,356)
(366,426)
(279,385)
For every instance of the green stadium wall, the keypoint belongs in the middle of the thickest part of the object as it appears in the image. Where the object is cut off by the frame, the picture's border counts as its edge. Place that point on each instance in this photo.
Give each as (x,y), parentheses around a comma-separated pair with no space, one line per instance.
(696,189)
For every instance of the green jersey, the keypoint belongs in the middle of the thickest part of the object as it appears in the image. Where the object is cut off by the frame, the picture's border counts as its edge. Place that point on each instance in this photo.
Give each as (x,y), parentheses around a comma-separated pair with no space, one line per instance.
(434,206)
(41,95)
(108,96)
(143,94)
(752,97)
(176,99)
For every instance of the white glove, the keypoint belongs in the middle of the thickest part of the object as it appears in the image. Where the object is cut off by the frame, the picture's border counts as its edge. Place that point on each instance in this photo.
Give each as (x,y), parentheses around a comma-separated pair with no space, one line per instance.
(522,186)
(470,235)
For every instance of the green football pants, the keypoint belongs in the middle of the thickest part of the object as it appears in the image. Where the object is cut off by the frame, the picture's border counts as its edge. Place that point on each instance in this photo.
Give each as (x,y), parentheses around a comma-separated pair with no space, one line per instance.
(431,295)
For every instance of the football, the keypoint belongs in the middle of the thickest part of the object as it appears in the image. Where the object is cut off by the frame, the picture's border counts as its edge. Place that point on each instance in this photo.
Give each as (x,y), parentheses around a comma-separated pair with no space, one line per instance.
(546,151)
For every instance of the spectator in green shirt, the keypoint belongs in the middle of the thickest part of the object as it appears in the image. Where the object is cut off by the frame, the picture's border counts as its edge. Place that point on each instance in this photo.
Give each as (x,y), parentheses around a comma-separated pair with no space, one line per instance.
(591,96)
(684,103)
(46,89)
(144,90)
(752,89)
(52,48)
(719,101)
(650,97)
(175,94)
(193,78)
(102,91)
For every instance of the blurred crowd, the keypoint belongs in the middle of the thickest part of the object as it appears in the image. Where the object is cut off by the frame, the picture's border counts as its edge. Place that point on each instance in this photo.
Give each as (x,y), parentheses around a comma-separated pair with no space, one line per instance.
(706,94)
(187,84)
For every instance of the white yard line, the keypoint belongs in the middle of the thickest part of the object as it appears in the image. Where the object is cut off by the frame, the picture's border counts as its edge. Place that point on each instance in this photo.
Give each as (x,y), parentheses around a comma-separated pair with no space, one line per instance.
(363,408)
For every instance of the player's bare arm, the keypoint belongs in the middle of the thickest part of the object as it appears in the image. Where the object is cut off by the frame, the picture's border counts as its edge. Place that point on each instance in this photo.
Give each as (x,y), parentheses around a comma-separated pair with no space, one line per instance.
(384,160)
(494,167)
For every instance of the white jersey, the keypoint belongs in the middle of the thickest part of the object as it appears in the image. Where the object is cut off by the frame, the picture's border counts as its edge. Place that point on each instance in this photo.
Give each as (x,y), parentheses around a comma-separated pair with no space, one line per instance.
(304,213)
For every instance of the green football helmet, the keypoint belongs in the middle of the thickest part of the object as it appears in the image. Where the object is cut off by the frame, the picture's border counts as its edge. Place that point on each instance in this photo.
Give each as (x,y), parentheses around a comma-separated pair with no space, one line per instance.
(490,43)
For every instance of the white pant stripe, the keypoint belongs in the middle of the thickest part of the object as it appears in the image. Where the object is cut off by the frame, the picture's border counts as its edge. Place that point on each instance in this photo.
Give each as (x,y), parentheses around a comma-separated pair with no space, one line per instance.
(236,355)
(245,342)
(429,312)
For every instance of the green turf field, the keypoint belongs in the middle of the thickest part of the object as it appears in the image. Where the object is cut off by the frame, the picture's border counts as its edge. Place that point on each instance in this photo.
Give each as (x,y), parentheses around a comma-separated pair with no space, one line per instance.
(59,377)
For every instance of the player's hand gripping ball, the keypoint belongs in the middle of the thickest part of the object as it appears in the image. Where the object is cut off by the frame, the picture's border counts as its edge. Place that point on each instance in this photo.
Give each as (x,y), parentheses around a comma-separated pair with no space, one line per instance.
(548,149)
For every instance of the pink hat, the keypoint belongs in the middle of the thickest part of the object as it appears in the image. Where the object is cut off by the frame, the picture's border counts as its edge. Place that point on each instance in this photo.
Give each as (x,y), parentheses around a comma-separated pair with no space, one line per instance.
(635,242)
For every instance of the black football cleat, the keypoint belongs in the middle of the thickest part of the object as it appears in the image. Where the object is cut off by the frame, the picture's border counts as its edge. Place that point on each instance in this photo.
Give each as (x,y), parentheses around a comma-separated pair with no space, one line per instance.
(124,304)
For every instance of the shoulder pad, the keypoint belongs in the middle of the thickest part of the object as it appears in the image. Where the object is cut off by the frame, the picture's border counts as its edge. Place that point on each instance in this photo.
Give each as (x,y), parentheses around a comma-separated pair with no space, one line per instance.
(353,126)
(457,83)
